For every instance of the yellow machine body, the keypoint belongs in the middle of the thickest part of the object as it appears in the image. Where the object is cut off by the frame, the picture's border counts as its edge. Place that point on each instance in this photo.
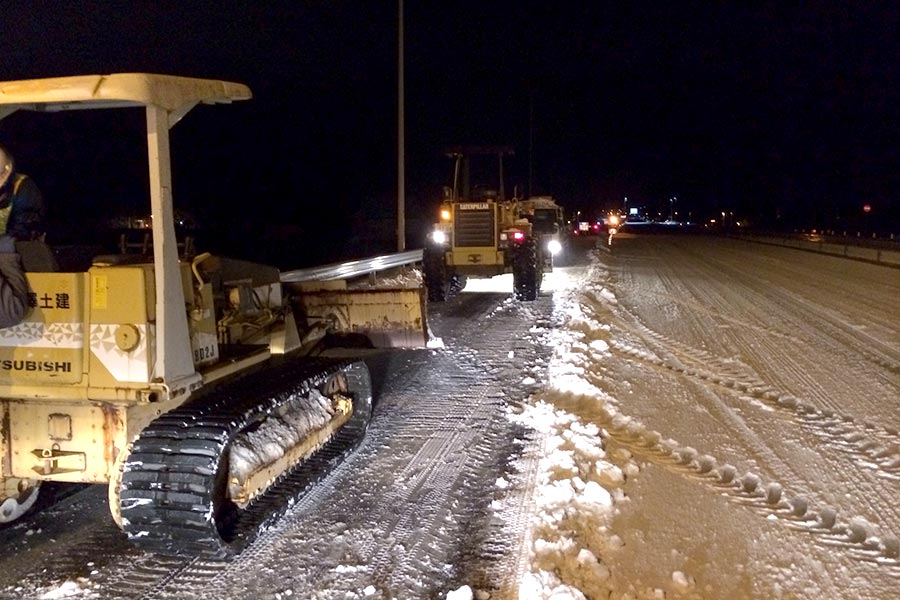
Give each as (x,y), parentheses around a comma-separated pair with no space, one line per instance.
(77,376)
(103,352)
(478,235)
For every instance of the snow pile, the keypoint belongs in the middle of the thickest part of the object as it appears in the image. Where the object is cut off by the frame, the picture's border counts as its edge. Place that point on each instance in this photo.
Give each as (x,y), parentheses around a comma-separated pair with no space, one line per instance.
(576,493)
(407,278)
(578,486)
(69,589)
(463,593)
(283,429)
(499,284)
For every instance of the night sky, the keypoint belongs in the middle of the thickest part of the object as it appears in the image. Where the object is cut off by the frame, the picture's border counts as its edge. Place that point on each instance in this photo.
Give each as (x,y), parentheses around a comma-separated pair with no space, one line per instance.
(788,116)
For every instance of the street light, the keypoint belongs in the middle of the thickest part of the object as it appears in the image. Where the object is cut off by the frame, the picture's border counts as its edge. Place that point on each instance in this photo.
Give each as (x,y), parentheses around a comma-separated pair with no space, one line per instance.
(401,141)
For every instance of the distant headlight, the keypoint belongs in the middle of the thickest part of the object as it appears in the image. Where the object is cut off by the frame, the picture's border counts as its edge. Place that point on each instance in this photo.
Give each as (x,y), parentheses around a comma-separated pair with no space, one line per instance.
(438,237)
(554,247)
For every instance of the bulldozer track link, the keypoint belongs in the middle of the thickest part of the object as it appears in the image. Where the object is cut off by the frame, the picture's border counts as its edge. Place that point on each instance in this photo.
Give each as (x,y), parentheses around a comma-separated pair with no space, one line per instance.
(172,490)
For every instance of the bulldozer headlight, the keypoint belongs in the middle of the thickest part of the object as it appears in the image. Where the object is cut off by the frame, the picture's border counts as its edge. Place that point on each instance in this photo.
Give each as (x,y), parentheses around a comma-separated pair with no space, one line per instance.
(554,247)
(439,237)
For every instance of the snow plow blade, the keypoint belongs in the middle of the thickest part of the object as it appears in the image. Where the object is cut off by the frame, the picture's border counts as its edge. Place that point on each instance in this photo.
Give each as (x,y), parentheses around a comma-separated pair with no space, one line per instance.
(389,317)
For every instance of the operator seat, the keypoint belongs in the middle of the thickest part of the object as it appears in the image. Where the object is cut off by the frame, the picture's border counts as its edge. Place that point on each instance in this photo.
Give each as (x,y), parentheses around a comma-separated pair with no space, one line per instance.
(37,257)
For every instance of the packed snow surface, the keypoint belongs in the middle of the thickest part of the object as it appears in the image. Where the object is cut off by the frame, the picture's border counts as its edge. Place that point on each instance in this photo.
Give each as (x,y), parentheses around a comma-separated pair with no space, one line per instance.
(675,418)
(706,438)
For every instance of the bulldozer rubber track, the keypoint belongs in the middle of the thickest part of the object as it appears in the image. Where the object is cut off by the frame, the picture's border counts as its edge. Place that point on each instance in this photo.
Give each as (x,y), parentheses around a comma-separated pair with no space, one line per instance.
(170,483)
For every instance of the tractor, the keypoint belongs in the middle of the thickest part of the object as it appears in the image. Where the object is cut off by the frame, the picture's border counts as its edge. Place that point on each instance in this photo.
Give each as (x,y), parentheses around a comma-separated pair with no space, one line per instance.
(481,232)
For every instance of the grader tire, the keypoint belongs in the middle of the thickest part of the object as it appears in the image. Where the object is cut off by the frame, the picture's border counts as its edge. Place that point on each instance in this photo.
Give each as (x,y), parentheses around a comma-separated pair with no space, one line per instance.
(437,282)
(457,283)
(526,271)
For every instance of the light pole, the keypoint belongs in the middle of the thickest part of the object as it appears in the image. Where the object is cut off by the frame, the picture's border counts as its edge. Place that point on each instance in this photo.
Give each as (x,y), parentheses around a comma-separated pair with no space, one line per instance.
(401,149)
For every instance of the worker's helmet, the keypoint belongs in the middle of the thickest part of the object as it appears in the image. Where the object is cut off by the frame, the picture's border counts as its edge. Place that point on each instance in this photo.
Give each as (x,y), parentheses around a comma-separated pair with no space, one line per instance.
(7,166)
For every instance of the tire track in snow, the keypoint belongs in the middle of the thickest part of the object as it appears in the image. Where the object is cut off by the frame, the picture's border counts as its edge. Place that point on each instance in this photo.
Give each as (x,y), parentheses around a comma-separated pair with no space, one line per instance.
(863,342)
(735,287)
(425,474)
(830,326)
(859,538)
(878,446)
(873,448)
(879,453)
(724,293)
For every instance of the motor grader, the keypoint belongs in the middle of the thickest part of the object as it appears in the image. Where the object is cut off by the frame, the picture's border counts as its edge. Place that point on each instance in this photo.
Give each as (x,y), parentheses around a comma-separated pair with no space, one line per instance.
(548,225)
(481,233)
(190,385)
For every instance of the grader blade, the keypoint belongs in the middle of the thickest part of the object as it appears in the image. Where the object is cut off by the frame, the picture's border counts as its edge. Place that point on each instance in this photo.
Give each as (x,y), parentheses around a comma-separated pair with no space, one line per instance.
(389,317)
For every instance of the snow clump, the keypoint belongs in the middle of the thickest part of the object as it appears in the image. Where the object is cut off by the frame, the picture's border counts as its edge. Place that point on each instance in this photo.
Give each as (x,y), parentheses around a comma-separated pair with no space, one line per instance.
(283,429)
(463,593)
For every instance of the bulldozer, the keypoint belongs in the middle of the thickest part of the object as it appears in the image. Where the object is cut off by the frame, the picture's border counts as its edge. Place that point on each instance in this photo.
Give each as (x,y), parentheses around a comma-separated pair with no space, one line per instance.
(193,386)
(482,233)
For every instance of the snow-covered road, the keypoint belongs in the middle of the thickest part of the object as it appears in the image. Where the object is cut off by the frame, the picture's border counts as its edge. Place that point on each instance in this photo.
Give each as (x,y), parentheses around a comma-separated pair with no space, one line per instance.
(749,395)
(410,514)
(681,417)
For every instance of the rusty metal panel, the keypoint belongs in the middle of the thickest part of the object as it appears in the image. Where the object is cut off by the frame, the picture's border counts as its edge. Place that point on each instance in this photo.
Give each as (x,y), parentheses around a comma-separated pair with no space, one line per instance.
(390,318)
(59,427)
(37,451)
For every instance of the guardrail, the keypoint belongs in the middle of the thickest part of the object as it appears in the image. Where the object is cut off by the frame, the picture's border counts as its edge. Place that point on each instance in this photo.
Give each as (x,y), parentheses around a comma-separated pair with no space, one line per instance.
(821,245)
(354,268)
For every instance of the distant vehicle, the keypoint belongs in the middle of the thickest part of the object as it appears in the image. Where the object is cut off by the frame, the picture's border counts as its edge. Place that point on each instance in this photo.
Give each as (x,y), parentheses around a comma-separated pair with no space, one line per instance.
(589,228)
(612,222)
(584,228)
(637,215)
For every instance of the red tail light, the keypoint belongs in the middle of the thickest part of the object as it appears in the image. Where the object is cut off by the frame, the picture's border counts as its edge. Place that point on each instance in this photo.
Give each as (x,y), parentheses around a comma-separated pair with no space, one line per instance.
(518,236)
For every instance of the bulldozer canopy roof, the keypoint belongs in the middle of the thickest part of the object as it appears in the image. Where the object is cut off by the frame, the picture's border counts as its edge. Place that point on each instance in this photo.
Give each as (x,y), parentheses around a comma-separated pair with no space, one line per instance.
(117,90)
